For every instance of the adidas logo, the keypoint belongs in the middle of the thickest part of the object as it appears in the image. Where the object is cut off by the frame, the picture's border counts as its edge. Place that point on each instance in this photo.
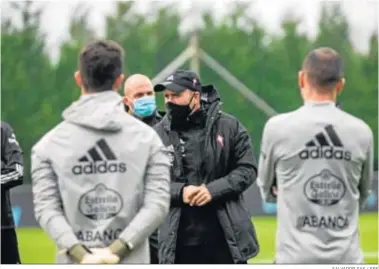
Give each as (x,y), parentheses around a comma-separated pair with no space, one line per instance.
(325,146)
(99,160)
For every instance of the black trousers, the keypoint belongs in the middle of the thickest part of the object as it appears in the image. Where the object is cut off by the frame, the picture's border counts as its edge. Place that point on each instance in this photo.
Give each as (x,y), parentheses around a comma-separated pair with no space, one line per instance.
(153,255)
(217,253)
(9,247)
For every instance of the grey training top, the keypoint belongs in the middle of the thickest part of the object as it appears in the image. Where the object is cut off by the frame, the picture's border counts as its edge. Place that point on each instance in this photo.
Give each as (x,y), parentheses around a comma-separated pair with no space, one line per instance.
(100,175)
(321,160)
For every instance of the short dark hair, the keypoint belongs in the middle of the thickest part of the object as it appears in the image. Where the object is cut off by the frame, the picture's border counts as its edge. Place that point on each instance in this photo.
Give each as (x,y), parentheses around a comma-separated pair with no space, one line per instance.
(100,64)
(324,68)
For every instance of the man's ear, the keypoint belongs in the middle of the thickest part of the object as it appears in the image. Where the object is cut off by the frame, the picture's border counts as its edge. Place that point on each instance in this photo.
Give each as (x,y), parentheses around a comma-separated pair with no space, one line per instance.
(78,79)
(300,79)
(118,83)
(199,98)
(129,104)
(340,86)
(126,100)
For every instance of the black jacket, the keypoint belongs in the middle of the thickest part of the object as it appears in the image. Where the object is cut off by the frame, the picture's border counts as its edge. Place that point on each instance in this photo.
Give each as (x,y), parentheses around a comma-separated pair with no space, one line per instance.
(228,169)
(154,119)
(153,239)
(11,171)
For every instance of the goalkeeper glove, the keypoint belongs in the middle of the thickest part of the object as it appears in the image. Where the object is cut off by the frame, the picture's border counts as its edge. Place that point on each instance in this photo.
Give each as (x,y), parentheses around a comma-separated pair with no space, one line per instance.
(113,253)
(106,255)
(81,254)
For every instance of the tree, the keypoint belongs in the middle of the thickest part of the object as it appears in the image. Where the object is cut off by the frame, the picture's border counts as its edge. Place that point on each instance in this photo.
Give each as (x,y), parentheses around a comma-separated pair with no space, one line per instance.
(66,91)
(370,75)
(26,70)
(35,92)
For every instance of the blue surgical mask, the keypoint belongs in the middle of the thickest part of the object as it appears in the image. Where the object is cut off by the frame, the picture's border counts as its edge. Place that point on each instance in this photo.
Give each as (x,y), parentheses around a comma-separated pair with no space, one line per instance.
(144,106)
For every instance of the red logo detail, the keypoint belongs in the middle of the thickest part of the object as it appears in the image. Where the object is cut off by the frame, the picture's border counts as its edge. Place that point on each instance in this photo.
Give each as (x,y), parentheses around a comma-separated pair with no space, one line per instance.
(194,81)
(220,140)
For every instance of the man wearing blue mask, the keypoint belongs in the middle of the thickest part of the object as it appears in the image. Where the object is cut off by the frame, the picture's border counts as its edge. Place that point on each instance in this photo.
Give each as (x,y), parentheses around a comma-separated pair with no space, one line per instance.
(101,178)
(139,99)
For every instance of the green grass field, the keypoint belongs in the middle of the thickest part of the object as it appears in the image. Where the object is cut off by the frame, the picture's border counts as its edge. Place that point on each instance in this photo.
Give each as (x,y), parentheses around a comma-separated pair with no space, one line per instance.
(36,247)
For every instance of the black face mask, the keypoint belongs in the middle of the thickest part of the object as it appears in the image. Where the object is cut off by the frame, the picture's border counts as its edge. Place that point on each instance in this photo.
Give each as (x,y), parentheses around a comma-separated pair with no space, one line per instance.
(179,113)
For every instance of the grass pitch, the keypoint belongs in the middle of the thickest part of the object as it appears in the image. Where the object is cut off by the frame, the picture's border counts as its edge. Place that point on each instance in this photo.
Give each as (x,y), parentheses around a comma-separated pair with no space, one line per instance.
(36,247)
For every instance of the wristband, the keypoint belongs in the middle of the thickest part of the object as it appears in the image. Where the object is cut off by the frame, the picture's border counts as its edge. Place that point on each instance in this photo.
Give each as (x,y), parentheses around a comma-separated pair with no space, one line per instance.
(77,252)
(119,248)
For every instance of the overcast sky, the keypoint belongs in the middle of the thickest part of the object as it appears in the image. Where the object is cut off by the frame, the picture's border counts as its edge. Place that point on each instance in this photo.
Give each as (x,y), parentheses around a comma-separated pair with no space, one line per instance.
(362,15)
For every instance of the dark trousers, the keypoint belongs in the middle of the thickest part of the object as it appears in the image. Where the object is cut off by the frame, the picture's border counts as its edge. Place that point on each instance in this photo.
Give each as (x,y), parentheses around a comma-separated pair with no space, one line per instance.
(204,254)
(153,254)
(153,244)
(9,247)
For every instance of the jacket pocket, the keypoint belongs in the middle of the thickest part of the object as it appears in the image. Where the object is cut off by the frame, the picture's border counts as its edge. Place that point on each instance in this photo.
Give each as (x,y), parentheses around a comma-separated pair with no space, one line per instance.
(243,228)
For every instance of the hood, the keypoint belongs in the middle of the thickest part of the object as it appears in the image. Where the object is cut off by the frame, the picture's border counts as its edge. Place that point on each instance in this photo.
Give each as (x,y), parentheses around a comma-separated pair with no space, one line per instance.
(210,100)
(209,95)
(100,111)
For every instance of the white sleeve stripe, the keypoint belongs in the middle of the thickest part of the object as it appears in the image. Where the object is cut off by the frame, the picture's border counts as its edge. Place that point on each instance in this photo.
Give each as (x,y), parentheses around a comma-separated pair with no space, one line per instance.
(10,176)
(20,169)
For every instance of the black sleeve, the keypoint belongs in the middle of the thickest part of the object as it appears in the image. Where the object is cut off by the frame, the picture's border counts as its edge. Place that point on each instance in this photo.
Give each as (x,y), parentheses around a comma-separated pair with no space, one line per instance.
(176,188)
(244,168)
(176,193)
(12,164)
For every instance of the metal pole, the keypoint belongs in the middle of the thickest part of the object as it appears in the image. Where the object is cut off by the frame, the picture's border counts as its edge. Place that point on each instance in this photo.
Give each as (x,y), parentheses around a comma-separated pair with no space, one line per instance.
(238,85)
(174,65)
(195,59)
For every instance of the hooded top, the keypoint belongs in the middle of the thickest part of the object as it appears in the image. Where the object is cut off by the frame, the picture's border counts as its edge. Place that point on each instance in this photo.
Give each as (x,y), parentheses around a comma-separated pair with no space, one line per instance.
(320,158)
(98,176)
(98,111)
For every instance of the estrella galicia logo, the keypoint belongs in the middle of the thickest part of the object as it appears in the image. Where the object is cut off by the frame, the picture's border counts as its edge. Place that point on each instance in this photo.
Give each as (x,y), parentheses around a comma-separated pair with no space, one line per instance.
(16,213)
(327,146)
(101,160)
(100,203)
(324,189)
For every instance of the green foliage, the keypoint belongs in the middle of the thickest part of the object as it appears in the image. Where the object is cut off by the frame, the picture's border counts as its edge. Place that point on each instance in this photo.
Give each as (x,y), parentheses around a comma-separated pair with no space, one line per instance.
(35,91)
(26,79)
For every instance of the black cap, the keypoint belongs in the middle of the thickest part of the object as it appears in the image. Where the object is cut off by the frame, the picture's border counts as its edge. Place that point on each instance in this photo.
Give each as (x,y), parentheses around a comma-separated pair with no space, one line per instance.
(179,81)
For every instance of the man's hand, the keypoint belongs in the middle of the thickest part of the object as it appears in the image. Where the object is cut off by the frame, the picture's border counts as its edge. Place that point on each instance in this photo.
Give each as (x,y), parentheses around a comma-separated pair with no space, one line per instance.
(92,259)
(189,192)
(202,197)
(81,254)
(274,191)
(105,255)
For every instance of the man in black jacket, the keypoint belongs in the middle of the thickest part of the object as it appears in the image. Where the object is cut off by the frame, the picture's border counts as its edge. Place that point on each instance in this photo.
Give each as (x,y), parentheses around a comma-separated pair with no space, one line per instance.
(212,165)
(139,100)
(11,176)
